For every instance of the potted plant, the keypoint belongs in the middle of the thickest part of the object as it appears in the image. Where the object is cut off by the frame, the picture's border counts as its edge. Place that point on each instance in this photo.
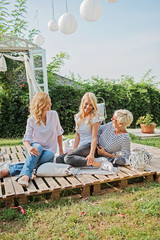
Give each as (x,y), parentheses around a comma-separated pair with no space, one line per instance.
(146,123)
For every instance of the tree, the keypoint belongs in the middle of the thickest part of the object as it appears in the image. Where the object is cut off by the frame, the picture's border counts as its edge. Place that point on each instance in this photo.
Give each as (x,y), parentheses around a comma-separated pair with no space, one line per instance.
(13,23)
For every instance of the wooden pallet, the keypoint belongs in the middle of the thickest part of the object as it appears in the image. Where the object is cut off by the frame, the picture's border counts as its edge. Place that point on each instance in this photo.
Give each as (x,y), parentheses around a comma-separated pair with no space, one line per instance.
(11,191)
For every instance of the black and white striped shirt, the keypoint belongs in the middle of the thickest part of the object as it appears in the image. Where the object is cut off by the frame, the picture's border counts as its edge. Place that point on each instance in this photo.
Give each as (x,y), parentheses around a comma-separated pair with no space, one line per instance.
(113,143)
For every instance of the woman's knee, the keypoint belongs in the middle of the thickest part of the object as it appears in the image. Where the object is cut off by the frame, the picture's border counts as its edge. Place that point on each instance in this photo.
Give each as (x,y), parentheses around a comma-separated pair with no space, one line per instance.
(60,158)
(38,147)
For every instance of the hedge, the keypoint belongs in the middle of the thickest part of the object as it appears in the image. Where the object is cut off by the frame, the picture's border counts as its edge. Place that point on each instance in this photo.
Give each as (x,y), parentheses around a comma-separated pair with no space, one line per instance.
(140,98)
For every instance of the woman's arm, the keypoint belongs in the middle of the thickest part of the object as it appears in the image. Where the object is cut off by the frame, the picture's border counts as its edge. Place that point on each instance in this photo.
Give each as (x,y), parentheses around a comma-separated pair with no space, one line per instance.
(60,144)
(31,150)
(76,140)
(90,157)
(102,152)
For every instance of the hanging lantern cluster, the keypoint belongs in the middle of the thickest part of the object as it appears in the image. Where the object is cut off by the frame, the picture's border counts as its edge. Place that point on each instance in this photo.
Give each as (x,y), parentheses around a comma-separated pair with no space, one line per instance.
(90,10)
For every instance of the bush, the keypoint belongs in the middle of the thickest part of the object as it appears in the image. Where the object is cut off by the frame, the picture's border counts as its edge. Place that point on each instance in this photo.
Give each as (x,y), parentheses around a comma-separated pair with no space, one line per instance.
(139,98)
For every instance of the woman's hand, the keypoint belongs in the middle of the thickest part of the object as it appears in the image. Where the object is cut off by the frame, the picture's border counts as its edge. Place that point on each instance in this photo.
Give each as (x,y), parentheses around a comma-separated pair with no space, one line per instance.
(101,151)
(70,150)
(32,151)
(90,159)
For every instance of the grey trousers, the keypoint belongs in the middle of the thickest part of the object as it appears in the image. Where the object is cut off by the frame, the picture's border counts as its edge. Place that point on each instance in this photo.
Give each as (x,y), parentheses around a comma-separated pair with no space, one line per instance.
(77,157)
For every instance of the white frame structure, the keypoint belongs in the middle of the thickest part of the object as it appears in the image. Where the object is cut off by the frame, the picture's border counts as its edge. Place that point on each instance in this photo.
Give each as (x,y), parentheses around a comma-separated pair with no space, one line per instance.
(28,49)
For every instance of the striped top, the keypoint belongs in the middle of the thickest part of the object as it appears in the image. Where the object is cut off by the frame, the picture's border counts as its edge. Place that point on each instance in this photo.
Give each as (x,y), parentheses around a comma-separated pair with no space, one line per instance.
(113,143)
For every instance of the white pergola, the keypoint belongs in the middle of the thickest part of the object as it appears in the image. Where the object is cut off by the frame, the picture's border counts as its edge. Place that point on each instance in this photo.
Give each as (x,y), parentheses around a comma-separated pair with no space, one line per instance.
(33,57)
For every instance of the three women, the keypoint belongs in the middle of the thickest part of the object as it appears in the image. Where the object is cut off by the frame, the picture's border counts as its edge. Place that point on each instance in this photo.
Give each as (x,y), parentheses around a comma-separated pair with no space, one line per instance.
(43,132)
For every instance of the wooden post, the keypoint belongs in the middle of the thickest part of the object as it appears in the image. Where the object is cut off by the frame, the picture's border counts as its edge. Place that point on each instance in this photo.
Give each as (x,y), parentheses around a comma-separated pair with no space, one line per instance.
(158,178)
(123,183)
(96,189)
(149,178)
(9,202)
(85,191)
(55,195)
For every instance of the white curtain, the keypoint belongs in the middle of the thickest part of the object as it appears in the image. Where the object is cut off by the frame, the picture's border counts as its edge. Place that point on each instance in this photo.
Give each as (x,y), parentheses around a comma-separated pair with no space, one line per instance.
(32,83)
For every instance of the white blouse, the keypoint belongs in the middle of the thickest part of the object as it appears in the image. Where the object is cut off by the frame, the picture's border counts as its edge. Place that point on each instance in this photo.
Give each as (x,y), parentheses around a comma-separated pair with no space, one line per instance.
(45,135)
(85,131)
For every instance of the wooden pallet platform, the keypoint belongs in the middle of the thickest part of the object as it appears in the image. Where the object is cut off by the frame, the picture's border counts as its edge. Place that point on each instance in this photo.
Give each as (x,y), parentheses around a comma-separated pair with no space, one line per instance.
(11,191)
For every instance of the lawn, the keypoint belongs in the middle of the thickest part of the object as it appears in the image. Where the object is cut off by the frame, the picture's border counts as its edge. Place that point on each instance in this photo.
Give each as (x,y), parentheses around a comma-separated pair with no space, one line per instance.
(131,214)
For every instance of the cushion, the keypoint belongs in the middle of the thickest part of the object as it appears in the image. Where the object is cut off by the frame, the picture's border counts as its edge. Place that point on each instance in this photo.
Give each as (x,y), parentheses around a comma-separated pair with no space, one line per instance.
(53,170)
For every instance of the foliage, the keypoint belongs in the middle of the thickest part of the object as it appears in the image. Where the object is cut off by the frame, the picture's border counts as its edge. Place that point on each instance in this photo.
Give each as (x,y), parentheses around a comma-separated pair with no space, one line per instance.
(147,119)
(133,213)
(57,62)
(13,22)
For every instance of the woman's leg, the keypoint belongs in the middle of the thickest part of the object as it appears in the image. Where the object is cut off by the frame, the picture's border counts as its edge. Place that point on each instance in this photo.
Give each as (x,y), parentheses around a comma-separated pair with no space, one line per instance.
(60,158)
(77,157)
(46,156)
(31,162)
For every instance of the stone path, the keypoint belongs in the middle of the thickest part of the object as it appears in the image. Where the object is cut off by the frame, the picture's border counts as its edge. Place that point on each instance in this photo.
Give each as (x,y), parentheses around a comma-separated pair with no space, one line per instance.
(137,132)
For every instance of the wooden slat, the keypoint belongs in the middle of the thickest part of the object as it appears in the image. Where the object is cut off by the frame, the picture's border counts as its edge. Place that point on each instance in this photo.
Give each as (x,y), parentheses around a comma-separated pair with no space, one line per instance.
(8,150)
(20,149)
(0,190)
(74,181)
(52,183)
(6,157)
(82,178)
(63,182)
(41,185)
(129,172)
(14,150)
(17,187)
(153,169)
(21,157)
(155,164)
(102,178)
(9,190)
(31,188)
(3,149)
(14,157)
(91,178)
(121,175)
(113,177)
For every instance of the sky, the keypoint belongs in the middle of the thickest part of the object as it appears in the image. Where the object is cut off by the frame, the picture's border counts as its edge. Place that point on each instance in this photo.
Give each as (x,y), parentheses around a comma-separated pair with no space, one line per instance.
(125,40)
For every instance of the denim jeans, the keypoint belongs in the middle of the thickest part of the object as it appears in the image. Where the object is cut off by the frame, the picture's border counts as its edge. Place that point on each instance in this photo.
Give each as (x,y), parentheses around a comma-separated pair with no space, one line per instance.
(77,157)
(32,162)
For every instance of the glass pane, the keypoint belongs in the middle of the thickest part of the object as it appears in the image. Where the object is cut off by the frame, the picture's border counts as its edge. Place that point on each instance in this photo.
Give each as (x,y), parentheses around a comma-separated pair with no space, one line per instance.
(39,76)
(37,58)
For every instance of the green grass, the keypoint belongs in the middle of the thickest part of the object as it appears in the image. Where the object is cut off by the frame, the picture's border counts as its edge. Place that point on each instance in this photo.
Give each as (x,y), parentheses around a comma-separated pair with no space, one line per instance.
(154,142)
(131,214)
(10,142)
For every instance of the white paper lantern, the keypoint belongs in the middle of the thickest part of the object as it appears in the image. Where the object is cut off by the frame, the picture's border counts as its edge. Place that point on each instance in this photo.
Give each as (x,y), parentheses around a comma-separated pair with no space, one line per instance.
(39,40)
(67,23)
(53,25)
(111,1)
(91,10)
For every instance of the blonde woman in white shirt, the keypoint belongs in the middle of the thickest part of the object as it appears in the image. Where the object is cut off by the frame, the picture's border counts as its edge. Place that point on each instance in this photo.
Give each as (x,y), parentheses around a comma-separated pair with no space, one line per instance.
(43,132)
(87,122)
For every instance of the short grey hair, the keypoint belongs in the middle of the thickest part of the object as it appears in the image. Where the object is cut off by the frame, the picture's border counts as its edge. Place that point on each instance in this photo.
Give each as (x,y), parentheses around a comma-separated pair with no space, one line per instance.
(124,116)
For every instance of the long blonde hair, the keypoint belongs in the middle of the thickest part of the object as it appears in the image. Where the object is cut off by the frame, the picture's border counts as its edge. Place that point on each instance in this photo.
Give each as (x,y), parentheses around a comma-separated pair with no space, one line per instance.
(92,113)
(37,105)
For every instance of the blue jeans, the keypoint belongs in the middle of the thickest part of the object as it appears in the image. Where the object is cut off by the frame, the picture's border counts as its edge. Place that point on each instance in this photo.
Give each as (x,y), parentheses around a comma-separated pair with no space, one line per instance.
(32,162)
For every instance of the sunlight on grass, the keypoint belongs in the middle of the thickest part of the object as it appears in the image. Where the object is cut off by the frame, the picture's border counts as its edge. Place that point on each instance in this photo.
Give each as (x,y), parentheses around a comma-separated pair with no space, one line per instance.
(128,214)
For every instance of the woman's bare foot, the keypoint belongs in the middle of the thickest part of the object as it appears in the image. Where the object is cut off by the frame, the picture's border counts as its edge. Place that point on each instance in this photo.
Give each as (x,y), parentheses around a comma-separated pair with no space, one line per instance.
(24,178)
(24,181)
(96,164)
(4,173)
